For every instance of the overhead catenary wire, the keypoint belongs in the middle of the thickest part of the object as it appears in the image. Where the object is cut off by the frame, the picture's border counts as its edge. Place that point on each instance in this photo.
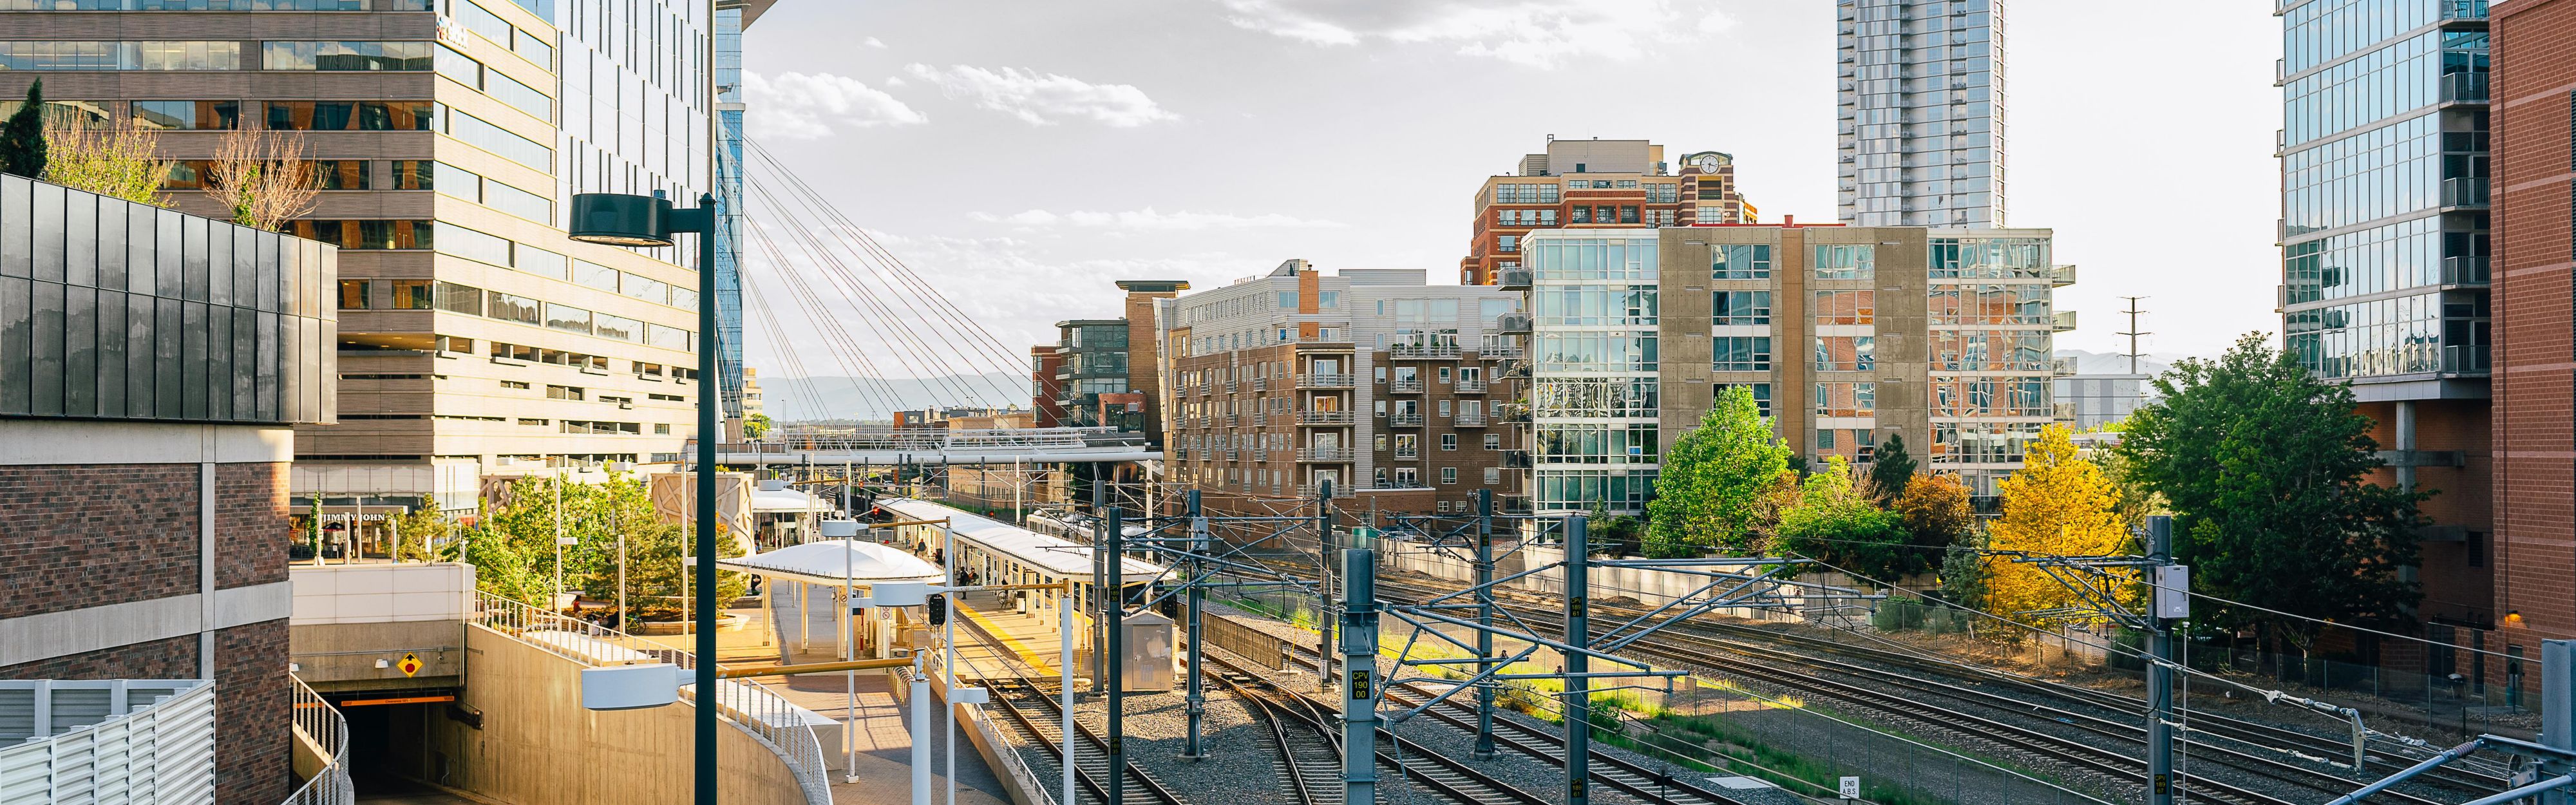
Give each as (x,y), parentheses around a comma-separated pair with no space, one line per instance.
(1002,352)
(800,382)
(844,349)
(893,335)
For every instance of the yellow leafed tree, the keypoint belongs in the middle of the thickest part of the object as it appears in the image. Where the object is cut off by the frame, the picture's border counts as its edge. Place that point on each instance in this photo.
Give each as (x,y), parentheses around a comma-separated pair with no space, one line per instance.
(2057,504)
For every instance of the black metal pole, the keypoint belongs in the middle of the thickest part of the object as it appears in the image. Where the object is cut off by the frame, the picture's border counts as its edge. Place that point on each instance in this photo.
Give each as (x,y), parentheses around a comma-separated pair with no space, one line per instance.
(1578,688)
(1190,748)
(1324,584)
(1110,552)
(1484,749)
(708,394)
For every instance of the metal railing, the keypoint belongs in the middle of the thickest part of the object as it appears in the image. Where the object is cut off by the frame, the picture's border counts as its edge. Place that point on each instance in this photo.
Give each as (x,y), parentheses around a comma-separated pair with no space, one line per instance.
(317,721)
(2464,87)
(1424,350)
(1309,490)
(1404,420)
(2465,359)
(2464,191)
(1401,386)
(1324,454)
(2465,271)
(1468,420)
(122,740)
(1513,279)
(2064,321)
(1512,323)
(1323,417)
(1466,386)
(2061,275)
(1324,381)
(1042,793)
(786,440)
(1261,384)
(776,723)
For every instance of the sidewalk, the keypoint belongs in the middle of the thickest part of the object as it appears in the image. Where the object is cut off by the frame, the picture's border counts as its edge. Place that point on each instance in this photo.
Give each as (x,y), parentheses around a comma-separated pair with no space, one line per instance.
(882,738)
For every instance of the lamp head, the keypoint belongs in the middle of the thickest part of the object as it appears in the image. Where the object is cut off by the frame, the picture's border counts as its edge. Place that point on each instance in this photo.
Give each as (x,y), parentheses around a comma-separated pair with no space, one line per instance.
(618,219)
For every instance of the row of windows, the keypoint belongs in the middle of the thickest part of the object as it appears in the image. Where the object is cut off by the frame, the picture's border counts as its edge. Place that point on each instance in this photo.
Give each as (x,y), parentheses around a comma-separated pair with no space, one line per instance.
(1991,397)
(1608,397)
(2410,74)
(1951,305)
(2325,30)
(1579,489)
(465,70)
(1990,258)
(1739,262)
(1594,352)
(1560,258)
(495,250)
(1525,194)
(1740,354)
(534,47)
(1846,353)
(1594,443)
(2407,254)
(472,301)
(1579,305)
(493,193)
(2391,170)
(2417,334)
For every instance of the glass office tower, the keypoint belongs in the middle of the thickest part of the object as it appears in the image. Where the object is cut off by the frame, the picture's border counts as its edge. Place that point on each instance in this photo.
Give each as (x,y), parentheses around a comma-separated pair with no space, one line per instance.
(731,16)
(1921,120)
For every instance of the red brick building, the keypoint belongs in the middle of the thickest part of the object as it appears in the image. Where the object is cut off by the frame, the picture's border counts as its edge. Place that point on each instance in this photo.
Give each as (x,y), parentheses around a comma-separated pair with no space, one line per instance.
(1597,183)
(2534,45)
(1044,388)
(146,430)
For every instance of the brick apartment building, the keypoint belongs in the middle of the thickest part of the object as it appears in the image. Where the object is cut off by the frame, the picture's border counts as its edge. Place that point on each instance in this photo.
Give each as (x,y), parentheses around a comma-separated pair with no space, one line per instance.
(148,408)
(1597,183)
(1371,379)
(1090,377)
(2534,45)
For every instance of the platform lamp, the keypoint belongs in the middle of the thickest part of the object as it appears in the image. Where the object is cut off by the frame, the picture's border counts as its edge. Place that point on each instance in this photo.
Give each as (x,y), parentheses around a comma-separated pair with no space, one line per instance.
(619,219)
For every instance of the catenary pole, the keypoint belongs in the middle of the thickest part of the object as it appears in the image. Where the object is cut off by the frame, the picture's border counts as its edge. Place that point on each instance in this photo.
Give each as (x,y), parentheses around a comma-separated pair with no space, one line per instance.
(2160,676)
(1198,534)
(1359,671)
(1578,688)
(1114,605)
(1484,748)
(1324,584)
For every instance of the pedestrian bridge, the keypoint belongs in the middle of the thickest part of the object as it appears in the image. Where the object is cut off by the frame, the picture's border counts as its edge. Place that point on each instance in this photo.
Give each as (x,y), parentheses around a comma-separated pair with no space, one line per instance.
(888,446)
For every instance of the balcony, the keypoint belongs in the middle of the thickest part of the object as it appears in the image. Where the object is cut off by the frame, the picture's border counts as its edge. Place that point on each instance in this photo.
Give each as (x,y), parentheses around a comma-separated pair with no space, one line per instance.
(1323,417)
(1261,384)
(2465,359)
(1424,350)
(2063,367)
(1180,454)
(1516,370)
(2063,321)
(1403,386)
(2061,276)
(1232,419)
(1310,490)
(2464,271)
(2064,412)
(2464,191)
(1513,279)
(1467,420)
(1498,351)
(1408,455)
(1511,413)
(2464,88)
(1518,459)
(1329,455)
(1512,323)
(1260,456)
(1229,386)
(1404,420)
(1324,381)
(1234,454)
(1466,386)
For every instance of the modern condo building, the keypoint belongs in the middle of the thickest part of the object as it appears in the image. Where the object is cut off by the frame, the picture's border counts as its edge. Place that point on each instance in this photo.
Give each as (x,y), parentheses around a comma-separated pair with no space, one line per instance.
(1596,184)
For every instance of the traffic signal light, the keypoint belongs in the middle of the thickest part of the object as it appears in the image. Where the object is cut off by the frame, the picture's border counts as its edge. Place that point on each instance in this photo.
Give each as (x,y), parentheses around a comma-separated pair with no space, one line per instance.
(938,605)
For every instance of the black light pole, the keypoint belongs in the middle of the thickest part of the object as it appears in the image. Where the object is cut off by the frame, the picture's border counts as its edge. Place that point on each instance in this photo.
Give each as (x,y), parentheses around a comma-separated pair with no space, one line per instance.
(619,219)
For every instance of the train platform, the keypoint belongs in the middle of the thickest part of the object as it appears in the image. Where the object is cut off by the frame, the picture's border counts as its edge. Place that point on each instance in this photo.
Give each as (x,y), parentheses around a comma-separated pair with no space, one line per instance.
(1034,638)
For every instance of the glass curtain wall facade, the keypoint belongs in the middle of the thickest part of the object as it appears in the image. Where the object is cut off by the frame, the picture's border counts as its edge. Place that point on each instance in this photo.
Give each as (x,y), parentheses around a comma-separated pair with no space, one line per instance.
(1921,116)
(2384,176)
(1595,407)
(1991,367)
(1094,362)
(729,178)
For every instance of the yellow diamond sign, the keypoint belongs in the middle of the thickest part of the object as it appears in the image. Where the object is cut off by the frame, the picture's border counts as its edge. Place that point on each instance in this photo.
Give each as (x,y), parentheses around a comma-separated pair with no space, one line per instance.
(410,664)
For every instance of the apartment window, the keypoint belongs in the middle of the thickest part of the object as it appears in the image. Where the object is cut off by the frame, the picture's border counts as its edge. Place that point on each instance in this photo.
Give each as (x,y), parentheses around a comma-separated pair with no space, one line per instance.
(1287,300)
(1579,215)
(1761,394)
(1846,307)
(661,429)
(353,294)
(1448,475)
(1507,243)
(368,235)
(1493,441)
(1381,442)
(413,174)
(1627,214)
(1444,407)
(1408,478)
(1449,442)
(1739,262)
(1740,307)
(1604,214)
(351,115)
(345,56)
(566,393)
(1847,399)
(455,298)
(151,55)
(187,115)
(513,384)
(1444,374)
(1846,262)
(1740,354)
(1493,475)
(1849,353)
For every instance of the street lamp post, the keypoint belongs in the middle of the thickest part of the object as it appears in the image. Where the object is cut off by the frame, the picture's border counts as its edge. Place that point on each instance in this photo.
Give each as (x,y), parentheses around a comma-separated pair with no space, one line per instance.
(619,219)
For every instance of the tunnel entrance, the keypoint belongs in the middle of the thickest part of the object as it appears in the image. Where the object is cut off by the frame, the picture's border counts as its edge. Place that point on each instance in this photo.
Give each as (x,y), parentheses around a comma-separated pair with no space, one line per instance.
(389,748)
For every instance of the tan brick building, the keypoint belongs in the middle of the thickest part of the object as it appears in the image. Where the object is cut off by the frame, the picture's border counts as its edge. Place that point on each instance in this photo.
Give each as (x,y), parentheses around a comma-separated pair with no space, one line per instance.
(1386,386)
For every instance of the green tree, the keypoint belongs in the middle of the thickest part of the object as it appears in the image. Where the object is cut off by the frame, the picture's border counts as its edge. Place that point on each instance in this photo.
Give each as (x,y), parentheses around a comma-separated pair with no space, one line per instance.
(1963,572)
(121,163)
(22,139)
(1892,469)
(1834,521)
(1709,494)
(755,426)
(2265,467)
(423,525)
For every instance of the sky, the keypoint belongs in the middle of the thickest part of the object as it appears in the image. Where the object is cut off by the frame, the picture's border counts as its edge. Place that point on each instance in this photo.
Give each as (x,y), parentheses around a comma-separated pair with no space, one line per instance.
(1021,155)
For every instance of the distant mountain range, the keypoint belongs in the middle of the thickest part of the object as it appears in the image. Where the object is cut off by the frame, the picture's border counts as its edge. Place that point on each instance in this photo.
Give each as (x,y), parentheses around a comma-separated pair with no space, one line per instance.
(2102,363)
(794,399)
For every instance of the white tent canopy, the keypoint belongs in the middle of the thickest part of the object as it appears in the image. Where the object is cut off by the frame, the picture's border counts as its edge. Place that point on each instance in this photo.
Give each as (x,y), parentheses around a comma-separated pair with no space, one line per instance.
(772,501)
(831,562)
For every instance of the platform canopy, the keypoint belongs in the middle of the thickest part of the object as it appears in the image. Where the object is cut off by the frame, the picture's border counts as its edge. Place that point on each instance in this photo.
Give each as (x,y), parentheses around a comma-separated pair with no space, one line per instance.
(832,562)
(780,501)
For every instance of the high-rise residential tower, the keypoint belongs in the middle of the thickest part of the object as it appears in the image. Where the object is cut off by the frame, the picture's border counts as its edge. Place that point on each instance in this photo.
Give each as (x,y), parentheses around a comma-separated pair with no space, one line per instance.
(732,16)
(1922,112)
(475,337)
(1596,183)
(2384,277)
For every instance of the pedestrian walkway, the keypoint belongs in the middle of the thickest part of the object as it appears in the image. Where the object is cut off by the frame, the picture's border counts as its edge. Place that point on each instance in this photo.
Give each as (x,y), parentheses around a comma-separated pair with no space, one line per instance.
(881,740)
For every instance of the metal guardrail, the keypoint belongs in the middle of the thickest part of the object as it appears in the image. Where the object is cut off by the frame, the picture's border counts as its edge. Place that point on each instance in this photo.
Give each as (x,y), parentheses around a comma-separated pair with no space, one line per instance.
(125,740)
(1471,386)
(1407,386)
(1323,417)
(1333,454)
(1324,381)
(1424,350)
(926,439)
(1404,420)
(317,721)
(1246,642)
(775,722)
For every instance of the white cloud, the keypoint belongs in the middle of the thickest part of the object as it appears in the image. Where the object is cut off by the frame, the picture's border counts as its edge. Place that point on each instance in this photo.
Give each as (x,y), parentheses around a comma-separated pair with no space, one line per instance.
(1044,98)
(1151,219)
(796,106)
(1535,33)
(874,43)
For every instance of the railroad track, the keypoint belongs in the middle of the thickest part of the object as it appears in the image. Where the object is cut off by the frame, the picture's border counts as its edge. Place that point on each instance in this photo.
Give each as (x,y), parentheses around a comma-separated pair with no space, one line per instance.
(1905,695)
(1018,695)
(1397,757)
